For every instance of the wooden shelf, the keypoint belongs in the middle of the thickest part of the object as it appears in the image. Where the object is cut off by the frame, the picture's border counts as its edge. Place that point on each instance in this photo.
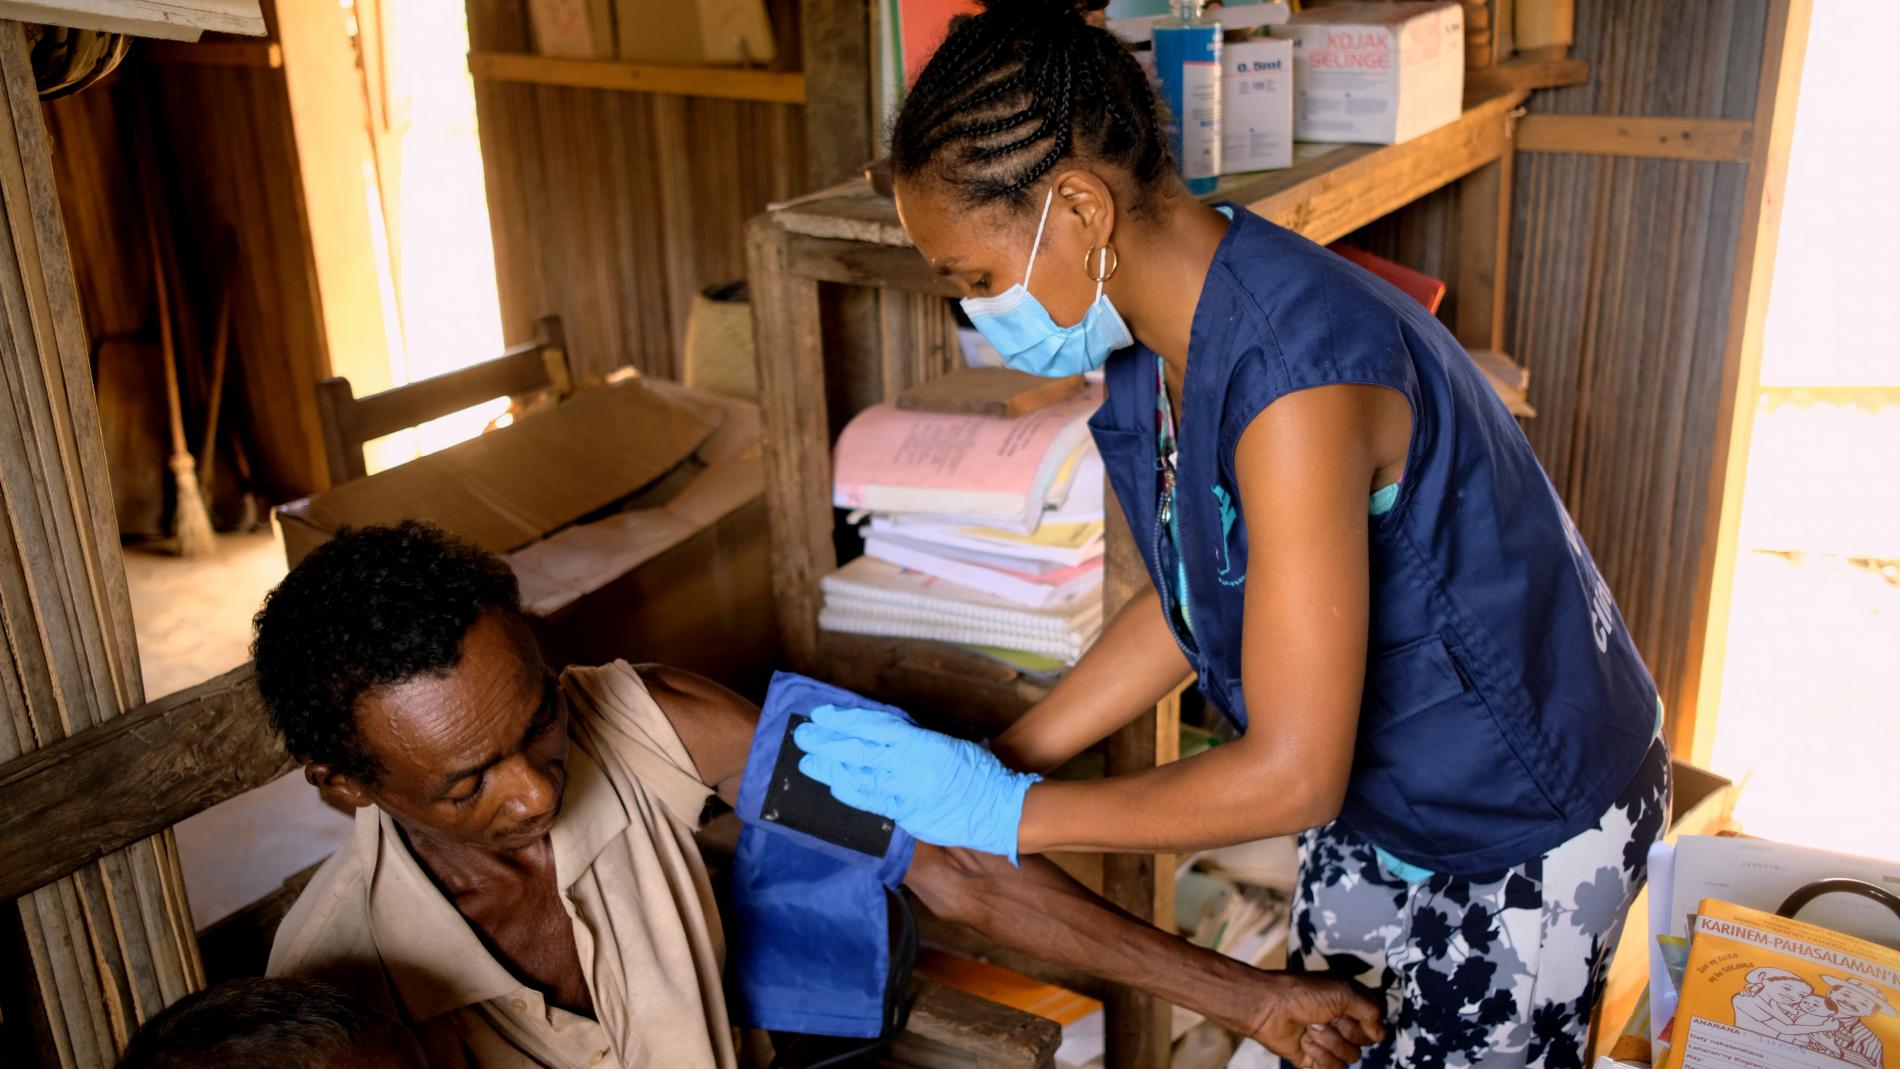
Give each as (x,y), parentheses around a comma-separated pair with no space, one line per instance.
(724,83)
(1333,191)
(1508,380)
(932,678)
(1336,191)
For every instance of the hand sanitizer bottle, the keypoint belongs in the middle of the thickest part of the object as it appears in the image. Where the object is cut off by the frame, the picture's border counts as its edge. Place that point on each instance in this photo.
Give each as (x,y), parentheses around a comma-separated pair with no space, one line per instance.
(1187,62)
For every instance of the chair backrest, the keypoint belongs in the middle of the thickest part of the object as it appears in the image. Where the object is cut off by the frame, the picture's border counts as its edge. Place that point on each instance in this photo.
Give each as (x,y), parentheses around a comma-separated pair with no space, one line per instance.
(349,421)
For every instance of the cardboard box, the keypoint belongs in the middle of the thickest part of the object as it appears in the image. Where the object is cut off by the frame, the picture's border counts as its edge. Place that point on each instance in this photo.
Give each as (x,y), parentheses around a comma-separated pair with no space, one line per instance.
(1376,72)
(633,514)
(572,29)
(1256,105)
(695,32)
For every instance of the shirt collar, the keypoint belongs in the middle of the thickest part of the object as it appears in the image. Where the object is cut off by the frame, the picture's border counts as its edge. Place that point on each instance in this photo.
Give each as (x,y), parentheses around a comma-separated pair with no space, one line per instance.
(592,815)
(435,961)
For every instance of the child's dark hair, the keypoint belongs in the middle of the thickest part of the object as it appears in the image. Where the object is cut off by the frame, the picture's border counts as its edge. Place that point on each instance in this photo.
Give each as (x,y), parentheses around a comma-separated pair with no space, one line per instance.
(1019,88)
(255,1023)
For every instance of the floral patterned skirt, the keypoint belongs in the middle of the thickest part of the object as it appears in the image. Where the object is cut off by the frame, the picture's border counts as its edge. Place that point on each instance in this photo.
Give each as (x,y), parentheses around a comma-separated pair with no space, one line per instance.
(1502,970)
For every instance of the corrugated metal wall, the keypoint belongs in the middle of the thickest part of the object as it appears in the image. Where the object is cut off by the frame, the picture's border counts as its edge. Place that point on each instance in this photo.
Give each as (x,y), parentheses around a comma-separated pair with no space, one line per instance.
(1621,273)
(1618,301)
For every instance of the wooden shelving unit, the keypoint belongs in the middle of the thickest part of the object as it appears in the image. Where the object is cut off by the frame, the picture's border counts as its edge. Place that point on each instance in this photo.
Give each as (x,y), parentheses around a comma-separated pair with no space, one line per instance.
(725,83)
(806,345)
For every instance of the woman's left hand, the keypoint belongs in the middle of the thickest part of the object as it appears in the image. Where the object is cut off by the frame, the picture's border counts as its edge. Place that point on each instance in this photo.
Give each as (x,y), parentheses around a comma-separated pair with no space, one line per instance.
(942,790)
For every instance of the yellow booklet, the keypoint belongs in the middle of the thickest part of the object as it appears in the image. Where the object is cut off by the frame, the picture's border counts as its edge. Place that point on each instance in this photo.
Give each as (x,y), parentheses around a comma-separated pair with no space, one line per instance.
(1765,992)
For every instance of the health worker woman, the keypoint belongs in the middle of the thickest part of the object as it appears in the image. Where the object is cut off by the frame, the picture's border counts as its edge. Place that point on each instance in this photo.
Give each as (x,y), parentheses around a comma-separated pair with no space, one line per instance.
(1350,544)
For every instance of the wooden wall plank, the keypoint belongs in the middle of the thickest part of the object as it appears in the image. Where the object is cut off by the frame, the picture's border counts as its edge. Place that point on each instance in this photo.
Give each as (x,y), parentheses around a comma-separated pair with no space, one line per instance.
(731,83)
(612,209)
(1657,137)
(231,180)
(1774,112)
(234,184)
(100,955)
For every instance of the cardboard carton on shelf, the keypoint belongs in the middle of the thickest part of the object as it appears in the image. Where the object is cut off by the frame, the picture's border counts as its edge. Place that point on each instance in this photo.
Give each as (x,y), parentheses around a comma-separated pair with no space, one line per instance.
(633,514)
(1379,73)
(1256,105)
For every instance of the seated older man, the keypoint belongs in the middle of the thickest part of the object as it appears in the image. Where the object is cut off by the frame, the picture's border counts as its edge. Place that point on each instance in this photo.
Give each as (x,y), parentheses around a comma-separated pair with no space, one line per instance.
(523,887)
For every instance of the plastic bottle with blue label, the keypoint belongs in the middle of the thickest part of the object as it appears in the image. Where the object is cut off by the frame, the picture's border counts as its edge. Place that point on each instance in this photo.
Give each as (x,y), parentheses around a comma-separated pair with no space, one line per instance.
(1187,63)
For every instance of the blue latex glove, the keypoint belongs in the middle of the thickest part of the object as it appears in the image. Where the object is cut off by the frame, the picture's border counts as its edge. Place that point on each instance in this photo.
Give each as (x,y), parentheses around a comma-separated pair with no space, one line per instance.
(942,790)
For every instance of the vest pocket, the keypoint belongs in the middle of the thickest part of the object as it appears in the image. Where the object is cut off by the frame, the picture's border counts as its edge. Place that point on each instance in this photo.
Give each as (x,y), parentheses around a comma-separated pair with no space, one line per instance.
(1412,678)
(1437,744)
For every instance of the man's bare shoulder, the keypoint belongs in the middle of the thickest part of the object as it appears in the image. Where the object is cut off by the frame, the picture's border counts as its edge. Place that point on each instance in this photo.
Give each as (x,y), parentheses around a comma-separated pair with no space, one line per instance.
(714,723)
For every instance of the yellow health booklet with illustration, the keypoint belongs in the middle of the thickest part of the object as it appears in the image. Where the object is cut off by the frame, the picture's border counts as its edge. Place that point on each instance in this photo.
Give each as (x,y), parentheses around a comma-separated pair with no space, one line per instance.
(1766,992)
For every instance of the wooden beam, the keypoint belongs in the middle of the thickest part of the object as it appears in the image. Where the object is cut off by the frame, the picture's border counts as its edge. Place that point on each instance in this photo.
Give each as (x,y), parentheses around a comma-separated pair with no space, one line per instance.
(1484,253)
(1524,74)
(897,267)
(264,55)
(68,804)
(953,1027)
(724,83)
(1139,1033)
(840,132)
(1693,734)
(1706,140)
(177,20)
(797,441)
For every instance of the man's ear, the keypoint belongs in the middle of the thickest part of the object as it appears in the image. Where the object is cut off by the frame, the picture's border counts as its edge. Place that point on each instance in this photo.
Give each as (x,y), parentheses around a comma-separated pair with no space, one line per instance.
(339,789)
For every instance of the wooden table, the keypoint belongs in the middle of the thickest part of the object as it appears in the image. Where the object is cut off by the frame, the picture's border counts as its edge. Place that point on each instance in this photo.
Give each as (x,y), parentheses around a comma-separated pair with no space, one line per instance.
(847,314)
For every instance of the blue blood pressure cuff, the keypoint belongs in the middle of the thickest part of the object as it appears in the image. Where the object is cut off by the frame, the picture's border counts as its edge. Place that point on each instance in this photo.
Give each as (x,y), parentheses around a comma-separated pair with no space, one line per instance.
(813,887)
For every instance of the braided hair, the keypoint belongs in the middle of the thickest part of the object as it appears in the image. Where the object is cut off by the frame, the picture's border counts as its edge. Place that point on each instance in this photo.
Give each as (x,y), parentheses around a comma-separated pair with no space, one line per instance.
(1017,89)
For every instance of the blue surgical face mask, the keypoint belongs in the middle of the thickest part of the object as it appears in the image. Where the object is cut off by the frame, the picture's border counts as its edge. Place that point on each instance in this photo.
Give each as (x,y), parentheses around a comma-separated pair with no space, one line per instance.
(1019,326)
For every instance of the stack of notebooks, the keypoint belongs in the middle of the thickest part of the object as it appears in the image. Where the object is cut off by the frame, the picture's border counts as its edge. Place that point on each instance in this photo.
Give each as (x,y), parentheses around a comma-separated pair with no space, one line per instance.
(980,531)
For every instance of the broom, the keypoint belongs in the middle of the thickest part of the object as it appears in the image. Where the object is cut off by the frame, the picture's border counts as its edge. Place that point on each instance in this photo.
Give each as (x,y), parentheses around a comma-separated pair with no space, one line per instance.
(191,521)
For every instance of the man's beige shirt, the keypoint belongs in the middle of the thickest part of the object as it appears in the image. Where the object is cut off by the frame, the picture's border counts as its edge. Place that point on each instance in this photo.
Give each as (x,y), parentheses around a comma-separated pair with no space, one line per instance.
(630,876)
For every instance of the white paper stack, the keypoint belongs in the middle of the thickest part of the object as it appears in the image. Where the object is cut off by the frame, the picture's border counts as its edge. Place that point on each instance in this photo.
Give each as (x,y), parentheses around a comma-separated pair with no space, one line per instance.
(980,531)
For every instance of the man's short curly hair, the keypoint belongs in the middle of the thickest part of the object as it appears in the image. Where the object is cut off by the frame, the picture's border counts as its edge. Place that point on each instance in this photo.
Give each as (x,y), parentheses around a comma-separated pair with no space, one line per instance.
(371,607)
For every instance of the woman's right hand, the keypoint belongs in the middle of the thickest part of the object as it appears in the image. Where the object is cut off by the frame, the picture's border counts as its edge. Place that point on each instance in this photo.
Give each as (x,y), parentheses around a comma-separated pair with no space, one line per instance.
(1134,664)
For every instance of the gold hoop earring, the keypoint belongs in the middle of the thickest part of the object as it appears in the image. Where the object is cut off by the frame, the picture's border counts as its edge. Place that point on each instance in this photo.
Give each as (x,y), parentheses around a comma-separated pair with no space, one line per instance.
(1111,261)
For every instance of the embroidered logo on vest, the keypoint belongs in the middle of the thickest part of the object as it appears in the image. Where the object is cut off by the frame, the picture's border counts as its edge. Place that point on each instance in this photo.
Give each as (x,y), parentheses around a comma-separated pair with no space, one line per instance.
(1228,514)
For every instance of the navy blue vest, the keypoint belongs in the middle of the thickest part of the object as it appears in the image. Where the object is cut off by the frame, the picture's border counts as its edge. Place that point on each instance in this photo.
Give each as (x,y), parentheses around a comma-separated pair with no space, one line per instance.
(1505,706)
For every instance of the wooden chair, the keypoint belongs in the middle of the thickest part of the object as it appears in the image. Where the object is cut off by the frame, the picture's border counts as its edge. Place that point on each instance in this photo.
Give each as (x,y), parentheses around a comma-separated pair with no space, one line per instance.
(349,420)
(71,803)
